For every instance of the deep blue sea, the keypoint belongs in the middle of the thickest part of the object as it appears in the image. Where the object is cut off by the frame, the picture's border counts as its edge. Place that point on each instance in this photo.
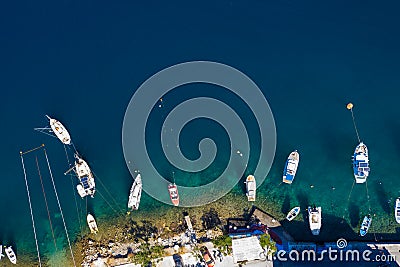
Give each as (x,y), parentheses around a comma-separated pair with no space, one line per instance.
(81,62)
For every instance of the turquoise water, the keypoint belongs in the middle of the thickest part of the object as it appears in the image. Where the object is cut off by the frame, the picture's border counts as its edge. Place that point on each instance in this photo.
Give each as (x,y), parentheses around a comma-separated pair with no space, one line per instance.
(81,63)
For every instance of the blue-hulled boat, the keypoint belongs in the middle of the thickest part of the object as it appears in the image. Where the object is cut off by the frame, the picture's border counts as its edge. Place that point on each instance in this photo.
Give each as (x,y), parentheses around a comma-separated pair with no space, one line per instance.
(291,167)
(361,163)
(365,225)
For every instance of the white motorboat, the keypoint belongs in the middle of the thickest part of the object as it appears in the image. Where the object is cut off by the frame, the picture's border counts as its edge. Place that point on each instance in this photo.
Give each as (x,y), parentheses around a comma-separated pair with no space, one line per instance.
(11,255)
(92,224)
(293,213)
(59,130)
(361,163)
(315,219)
(291,167)
(173,194)
(135,193)
(365,225)
(397,210)
(251,188)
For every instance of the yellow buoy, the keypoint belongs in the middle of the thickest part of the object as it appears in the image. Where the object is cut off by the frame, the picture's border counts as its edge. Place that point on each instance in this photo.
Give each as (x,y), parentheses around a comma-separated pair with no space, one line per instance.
(349,105)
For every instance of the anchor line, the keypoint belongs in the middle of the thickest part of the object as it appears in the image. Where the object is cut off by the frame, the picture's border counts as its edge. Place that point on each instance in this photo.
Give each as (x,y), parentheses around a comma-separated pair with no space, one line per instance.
(108,192)
(45,201)
(59,206)
(108,203)
(30,208)
(355,126)
(348,198)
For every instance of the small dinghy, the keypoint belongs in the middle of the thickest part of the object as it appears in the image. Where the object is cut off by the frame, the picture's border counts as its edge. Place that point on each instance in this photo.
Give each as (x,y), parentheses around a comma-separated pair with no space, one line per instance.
(92,224)
(365,225)
(293,213)
(11,255)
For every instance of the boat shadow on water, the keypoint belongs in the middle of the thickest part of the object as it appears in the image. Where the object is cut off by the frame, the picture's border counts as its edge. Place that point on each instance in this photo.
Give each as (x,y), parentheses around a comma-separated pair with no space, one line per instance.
(383,197)
(286,205)
(354,214)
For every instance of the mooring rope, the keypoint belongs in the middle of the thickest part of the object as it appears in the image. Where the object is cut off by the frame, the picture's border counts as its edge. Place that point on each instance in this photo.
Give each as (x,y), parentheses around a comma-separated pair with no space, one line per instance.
(59,206)
(348,199)
(45,201)
(350,107)
(30,207)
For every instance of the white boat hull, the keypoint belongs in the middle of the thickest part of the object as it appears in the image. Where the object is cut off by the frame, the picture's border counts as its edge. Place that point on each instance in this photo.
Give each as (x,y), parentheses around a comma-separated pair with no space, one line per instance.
(11,255)
(251,188)
(397,210)
(92,224)
(293,214)
(60,131)
(135,193)
(315,219)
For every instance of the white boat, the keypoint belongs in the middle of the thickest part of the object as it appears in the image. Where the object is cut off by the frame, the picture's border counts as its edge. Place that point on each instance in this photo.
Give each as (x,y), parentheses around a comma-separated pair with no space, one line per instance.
(92,224)
(365,225)
(60,131)
(361,163)
(251,188)
(87,185)
(1,252)
(135,193)
(11,255)
(173,194)
(293,213)
(397,210)
(315,219)
(291,167)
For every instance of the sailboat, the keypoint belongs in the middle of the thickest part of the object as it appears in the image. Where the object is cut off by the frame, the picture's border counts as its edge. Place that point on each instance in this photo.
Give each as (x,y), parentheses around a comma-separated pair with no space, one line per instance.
(293,213)
(365,225)
(397,210)
(173,194)
(11,255)
(291,167)
(87,185)
(92,224)
(315,219)
(251,188)
(60,131)
(135,193)
(361,163)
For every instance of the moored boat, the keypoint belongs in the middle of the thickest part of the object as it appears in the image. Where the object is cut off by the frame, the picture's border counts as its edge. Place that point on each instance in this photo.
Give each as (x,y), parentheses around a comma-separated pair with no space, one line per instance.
(87,185)
(251,188)
(293,213)
(361,163)
(173,194)
(60,131)
(1,252)
(92,224)
(291,167)
(135,193)
(397,210)
(11,255)
(315,219)
(366,223)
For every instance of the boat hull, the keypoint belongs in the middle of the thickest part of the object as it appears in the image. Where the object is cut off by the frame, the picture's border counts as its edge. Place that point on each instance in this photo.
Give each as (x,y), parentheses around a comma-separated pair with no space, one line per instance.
(365,225)
(251,188)
(291,166)
(397,210)
(293,214)
(315,219)
(92,224)
(135,193)
(360,160)
(173,194)
(11,255)
(60,131)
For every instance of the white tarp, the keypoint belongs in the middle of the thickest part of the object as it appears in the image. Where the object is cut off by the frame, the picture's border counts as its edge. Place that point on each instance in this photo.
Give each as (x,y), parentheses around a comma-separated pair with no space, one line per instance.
(247,249)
